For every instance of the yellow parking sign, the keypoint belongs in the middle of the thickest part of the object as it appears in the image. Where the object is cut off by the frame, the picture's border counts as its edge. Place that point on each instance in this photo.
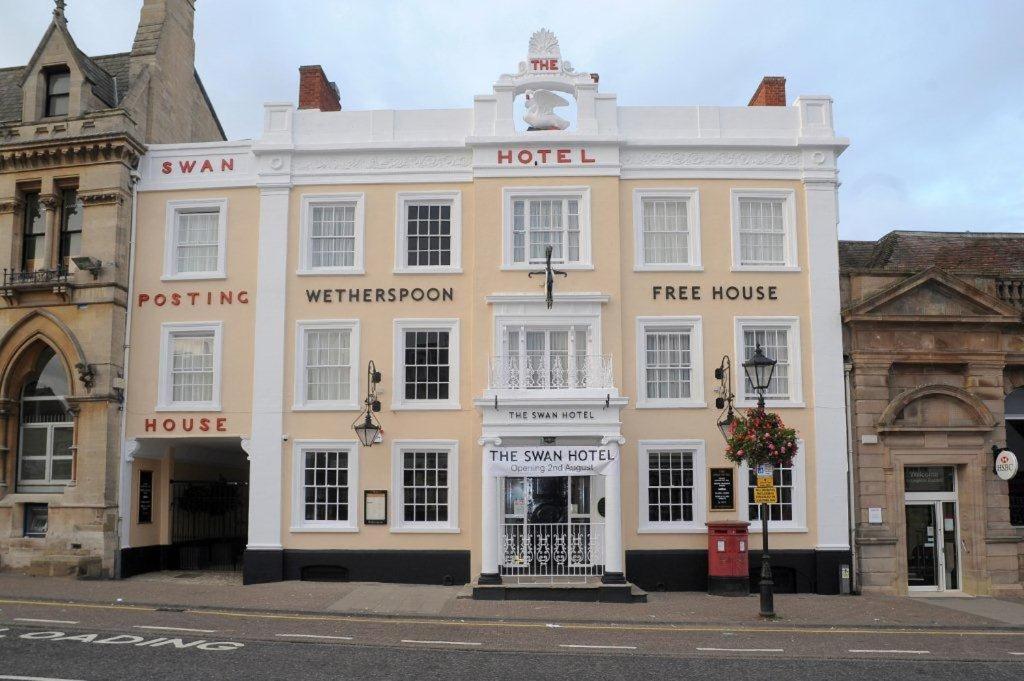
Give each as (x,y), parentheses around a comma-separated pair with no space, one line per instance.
(765,495)
(765,481)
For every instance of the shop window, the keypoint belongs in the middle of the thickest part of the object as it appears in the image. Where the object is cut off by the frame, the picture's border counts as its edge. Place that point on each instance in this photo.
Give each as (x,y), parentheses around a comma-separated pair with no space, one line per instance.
(325,376)
(332,234)
(47,428)
(670,362)
(327,481)
(671,486)
(33,240)
(58,92)
(196,235)
(428,233)
(779,338)
(190,367)
(764,230)
(425,486)
(71,210)
(427,364)
(37,520)
(538,218)
(667,229)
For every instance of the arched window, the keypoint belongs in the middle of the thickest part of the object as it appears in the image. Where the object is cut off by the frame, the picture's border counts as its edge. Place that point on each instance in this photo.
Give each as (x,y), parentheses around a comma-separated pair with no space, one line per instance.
(47,427)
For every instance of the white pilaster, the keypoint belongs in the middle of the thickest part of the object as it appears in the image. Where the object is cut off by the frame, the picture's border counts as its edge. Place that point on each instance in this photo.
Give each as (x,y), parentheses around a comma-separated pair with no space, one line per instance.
(613,557)
(827,363)
(489,573)
(265,443)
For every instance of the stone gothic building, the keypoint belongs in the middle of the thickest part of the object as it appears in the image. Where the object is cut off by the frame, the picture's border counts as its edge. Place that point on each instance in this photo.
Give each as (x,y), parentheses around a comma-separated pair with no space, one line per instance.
(934,342)
(72,131)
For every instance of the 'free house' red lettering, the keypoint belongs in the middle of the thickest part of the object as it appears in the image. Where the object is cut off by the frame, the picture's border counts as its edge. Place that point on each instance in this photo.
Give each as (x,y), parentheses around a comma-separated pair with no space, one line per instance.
(188,424)
(189,167)
(540,157)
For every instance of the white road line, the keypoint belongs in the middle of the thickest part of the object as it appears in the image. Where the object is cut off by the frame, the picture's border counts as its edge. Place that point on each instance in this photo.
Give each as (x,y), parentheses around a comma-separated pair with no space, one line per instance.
(579,645)
(191,631)
(33,678)
(1009,653)
(31,619)
(898,652)
(446,643)
(332,638)
(742,650)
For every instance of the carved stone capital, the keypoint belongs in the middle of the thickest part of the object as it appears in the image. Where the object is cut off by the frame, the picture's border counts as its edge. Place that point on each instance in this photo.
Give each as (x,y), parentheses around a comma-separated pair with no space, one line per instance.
(101,197)
(48,201)
(11,205)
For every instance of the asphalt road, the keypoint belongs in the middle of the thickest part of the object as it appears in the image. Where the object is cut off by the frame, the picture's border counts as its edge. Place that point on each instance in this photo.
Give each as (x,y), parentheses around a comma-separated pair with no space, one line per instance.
(88,642)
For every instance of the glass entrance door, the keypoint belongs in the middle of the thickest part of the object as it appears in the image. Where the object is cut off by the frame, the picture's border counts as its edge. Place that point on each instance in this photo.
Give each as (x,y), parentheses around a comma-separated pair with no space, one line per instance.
(932,557)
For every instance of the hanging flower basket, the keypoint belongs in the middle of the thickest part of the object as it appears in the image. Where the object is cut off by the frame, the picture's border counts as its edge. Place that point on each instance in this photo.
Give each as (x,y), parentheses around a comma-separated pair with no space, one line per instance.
(760,437)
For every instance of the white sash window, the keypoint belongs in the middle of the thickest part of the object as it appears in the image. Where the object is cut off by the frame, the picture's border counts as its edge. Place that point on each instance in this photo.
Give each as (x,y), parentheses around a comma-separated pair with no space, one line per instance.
(196,237)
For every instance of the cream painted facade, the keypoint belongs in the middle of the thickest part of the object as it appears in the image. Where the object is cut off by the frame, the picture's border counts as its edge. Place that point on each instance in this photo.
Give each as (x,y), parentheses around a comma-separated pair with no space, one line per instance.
(608,168)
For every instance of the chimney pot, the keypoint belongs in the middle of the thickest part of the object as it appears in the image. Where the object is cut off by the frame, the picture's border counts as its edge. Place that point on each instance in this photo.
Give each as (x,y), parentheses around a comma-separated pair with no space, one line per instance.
(771,92)
(315,91)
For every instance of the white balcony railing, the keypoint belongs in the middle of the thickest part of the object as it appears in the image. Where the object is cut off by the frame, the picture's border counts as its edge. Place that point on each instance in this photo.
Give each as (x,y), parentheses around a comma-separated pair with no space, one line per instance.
(552,550)
(551,372)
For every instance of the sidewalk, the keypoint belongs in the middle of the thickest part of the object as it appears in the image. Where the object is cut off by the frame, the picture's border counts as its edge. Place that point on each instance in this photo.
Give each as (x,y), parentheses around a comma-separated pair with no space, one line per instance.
(225,591)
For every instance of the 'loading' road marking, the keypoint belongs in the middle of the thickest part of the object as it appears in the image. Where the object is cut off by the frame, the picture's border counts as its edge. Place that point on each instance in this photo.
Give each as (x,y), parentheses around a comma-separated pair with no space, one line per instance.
(128,639)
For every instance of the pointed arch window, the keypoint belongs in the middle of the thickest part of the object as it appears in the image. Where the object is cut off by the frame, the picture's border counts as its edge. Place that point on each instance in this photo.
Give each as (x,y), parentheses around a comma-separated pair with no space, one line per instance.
(47,427)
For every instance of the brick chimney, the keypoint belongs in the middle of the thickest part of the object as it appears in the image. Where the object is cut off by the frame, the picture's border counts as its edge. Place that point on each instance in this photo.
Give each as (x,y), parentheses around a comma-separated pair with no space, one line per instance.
(771,92)
(315,91)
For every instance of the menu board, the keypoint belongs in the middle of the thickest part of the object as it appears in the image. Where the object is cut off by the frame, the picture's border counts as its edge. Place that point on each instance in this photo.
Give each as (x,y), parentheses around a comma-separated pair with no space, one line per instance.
(722,491)
(375,507)
(145,497)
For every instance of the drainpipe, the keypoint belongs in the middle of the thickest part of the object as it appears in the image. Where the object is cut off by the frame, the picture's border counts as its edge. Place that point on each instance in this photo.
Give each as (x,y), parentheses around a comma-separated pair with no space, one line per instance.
(124,475)
(850,487)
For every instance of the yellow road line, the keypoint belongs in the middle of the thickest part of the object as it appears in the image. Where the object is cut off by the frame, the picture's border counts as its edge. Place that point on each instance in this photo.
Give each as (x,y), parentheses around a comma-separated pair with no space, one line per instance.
(678,628)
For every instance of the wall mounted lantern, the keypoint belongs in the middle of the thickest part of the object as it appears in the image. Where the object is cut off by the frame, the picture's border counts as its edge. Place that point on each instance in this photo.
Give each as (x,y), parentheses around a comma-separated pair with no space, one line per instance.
(366,425)
(723,374)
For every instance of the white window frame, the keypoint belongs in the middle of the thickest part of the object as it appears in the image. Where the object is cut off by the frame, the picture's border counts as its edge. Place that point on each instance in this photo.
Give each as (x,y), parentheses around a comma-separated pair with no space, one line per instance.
(695,326)
(398,449)
(788,196)
(176,208)
(167,331)
(799,521)
(792,326)
(299,402)
(298,521)
(398,400)
(579,193)
(697,448)
(692,198)
(402,202)
(310,200)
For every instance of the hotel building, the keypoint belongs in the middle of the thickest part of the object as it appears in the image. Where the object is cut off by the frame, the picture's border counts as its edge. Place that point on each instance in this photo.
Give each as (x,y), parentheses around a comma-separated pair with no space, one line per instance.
(524,439)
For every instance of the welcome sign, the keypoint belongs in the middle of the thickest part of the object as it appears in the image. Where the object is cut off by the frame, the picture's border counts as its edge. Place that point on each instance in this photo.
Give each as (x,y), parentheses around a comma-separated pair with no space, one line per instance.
(548,462)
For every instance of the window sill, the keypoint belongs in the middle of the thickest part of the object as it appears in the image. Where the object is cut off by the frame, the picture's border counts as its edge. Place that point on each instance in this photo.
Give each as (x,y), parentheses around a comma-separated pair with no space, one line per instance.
(407,529)
(520,267)
(775,528)
(772,404)
(189,406)
(666,267)
(766,268)
(650,404)
(323,529)
(194,276)
(416,406)
(672,529)
(427,270)
(330,271)
(327,406)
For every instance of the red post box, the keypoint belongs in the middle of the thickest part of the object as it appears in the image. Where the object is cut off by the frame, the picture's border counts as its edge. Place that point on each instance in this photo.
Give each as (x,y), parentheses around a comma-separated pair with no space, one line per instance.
(728,563)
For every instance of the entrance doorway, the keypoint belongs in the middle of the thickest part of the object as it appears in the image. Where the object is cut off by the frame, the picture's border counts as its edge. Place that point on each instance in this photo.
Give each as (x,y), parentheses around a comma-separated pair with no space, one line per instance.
(209,523)
(552,527)
(932,528)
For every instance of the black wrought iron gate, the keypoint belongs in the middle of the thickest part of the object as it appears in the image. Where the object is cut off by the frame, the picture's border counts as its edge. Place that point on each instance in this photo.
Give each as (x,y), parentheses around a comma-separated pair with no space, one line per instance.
(209,523)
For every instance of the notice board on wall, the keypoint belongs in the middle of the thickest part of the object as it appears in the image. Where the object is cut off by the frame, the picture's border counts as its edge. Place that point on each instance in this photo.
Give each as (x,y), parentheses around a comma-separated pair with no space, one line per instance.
(145,497)
(723,496)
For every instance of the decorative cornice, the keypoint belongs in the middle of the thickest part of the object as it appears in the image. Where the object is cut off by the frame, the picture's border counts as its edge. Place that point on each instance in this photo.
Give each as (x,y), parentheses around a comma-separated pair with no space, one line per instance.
(12,205)
(101,196)
(708,159)
(70,152)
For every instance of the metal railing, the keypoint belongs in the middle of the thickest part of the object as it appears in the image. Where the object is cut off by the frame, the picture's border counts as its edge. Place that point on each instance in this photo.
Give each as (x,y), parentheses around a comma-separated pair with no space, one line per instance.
(46,277)
(570,551)
(551,372)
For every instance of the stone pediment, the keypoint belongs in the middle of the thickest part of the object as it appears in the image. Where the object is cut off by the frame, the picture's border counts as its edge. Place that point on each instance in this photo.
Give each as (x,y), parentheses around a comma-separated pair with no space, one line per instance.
(933,295)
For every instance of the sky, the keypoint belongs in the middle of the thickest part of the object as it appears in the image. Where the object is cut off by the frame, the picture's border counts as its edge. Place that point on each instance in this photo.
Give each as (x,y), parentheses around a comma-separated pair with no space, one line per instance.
(930,94)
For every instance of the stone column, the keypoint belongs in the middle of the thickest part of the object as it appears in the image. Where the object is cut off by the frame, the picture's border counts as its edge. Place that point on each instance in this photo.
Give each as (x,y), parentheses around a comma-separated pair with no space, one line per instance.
(613,556)
(489,569)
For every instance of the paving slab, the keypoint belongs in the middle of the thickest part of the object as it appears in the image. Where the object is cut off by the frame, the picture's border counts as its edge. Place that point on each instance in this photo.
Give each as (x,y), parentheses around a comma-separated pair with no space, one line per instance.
(1001,610)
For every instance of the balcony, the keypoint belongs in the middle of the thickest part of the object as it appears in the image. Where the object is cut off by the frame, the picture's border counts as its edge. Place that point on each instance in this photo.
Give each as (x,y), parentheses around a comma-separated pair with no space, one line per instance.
(1011,291)
(558,372)
(56,280)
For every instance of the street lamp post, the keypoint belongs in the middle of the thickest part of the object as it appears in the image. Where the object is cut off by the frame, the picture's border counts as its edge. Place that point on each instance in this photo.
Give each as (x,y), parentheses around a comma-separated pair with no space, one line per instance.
(759,369)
